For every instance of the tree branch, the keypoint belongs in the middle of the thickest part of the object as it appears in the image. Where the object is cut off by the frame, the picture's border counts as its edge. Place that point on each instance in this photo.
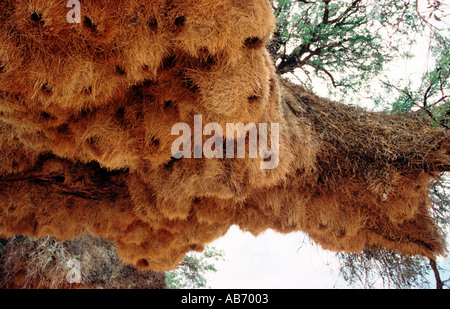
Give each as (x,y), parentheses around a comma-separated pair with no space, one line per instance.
(439,283)
(85,181)
(352,8)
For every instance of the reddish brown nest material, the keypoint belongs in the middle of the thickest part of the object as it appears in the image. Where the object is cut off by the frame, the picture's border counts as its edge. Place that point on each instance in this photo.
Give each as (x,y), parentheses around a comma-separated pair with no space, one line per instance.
(86,116)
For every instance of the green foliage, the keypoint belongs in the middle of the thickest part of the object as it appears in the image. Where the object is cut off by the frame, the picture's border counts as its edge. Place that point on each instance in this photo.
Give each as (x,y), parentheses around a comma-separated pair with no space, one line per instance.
(346,42)
(191,271)
(432,94)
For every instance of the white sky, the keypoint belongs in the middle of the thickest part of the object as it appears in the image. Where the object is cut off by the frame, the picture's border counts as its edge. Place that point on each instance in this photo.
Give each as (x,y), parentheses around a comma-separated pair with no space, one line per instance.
(276,261)
(272,260)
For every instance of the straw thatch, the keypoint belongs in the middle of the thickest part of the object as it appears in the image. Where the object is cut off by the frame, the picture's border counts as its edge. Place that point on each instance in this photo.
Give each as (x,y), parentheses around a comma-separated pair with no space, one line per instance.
(86,116)
(81,263)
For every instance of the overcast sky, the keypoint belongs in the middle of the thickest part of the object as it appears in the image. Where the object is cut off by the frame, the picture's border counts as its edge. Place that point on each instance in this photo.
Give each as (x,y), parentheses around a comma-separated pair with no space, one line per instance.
(276,261)
(272,261)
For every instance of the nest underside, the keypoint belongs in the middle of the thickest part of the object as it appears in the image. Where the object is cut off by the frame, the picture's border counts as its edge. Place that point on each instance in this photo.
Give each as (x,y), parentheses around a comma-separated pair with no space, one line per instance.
(86,118)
